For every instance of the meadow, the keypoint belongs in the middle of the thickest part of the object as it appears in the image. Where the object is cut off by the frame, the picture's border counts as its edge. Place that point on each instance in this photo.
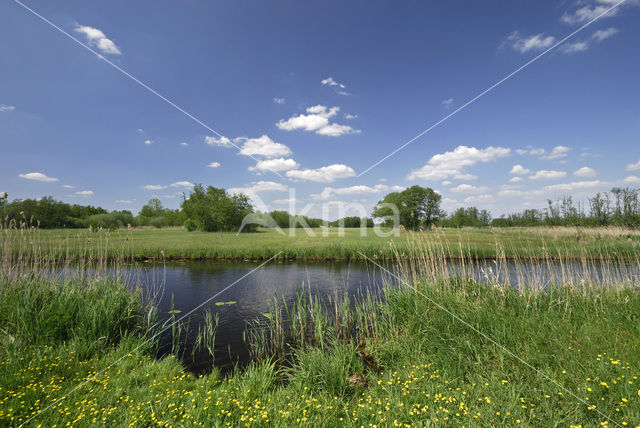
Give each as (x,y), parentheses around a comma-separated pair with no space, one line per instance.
(612,243)
(562,355)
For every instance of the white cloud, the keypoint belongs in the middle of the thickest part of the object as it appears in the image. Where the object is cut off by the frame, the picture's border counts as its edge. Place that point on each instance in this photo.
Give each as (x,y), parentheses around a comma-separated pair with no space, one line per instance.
(576,185)
(350,116)
(547,175)
(318,121)
(154,187)
(330,192)
(447,103)
(37,176)
(98,39)
(633,166)
(214,165)
(124,201)
(148,142)
(213,141)
(585,172)
(519,170)
(452,164)
(579,46)
(556,153)
(326,174)
(344,93)
(509,193)
(185,184)
(169,196)
(278,100)
(587,13)
(478,198)
(329,81)
(262,146)
(4,107)
(515,179)
(468,188)
(277,164)
(184,144)
(259,186)
(632,179)
(536,42)
(68,186)
(600,35)
(85,193)
(446,183)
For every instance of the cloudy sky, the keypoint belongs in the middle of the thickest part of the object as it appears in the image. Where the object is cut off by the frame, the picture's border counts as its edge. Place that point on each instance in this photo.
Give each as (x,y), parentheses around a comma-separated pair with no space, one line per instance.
(500,105)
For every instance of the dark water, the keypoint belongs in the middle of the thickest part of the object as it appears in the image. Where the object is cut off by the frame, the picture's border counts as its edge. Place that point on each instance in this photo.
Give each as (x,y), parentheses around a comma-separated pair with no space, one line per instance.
(187,285)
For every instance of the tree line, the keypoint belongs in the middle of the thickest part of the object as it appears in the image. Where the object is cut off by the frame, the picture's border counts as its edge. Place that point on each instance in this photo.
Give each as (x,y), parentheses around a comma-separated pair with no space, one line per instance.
(214,209)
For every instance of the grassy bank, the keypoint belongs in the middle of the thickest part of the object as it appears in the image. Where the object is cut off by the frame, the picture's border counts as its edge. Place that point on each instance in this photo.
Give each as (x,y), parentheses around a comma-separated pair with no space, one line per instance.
(168,244)
(403,361)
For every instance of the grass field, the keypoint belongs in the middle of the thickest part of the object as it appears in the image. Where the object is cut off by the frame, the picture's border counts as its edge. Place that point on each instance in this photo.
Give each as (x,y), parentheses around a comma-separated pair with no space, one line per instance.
(81,352)
(177,243)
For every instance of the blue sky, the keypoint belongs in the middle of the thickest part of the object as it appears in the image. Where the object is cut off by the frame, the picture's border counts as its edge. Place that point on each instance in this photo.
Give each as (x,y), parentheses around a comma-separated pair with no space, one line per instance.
(303,97)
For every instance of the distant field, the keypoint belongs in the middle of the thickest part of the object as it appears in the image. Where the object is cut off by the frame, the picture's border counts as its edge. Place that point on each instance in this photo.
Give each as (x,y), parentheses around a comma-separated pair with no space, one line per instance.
(177,243)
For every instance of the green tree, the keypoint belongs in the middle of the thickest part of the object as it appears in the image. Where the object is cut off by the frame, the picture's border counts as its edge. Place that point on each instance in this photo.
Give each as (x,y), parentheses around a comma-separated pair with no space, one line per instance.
(213,209)
(416,205)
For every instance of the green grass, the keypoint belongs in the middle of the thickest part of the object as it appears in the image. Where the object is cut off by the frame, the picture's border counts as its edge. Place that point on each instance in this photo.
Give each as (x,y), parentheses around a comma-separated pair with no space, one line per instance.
(176,243)
(435,370)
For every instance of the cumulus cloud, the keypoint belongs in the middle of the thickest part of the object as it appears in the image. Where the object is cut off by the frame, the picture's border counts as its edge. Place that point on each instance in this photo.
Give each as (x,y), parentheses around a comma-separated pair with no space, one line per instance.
(587,13)
(329,81)
(148,142)
(585,172)
(317,120)
(453,164)
(583,45)
(330,192)
(98,39)
(37,176)
(258,187)
(633,166)
(350,116)
(574,186)
(68,186)
(326,174)
(262,146)
(214,141)
(519,170)
(632,179)
(515,179)
(154,187)
(537,42)
(478,198)
(214,165)
(277,164)
(556,153)
(447,103)
(124,201)
(278,100)
(4,107)
(184,144)
(547,175)
(468,188)
(85,193)
(185,184)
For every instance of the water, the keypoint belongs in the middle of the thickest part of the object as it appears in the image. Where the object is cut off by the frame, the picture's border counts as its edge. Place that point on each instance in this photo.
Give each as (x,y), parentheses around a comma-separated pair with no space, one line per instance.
(186,285)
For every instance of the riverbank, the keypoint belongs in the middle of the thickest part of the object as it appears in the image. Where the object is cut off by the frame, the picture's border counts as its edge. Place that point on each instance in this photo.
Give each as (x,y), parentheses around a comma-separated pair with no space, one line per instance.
(408,362)
(146,244)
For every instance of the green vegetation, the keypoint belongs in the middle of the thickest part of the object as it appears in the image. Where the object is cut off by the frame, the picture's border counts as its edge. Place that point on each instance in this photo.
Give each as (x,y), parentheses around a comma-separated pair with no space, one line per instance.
(544,243)
(416,206)
(395,359)
(213,209)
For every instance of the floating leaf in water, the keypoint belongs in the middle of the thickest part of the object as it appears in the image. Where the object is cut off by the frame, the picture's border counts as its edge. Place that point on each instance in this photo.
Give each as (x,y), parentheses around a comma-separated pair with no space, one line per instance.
(174,311)
(219,303)
(267,314)
(233,302)
(225,303)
